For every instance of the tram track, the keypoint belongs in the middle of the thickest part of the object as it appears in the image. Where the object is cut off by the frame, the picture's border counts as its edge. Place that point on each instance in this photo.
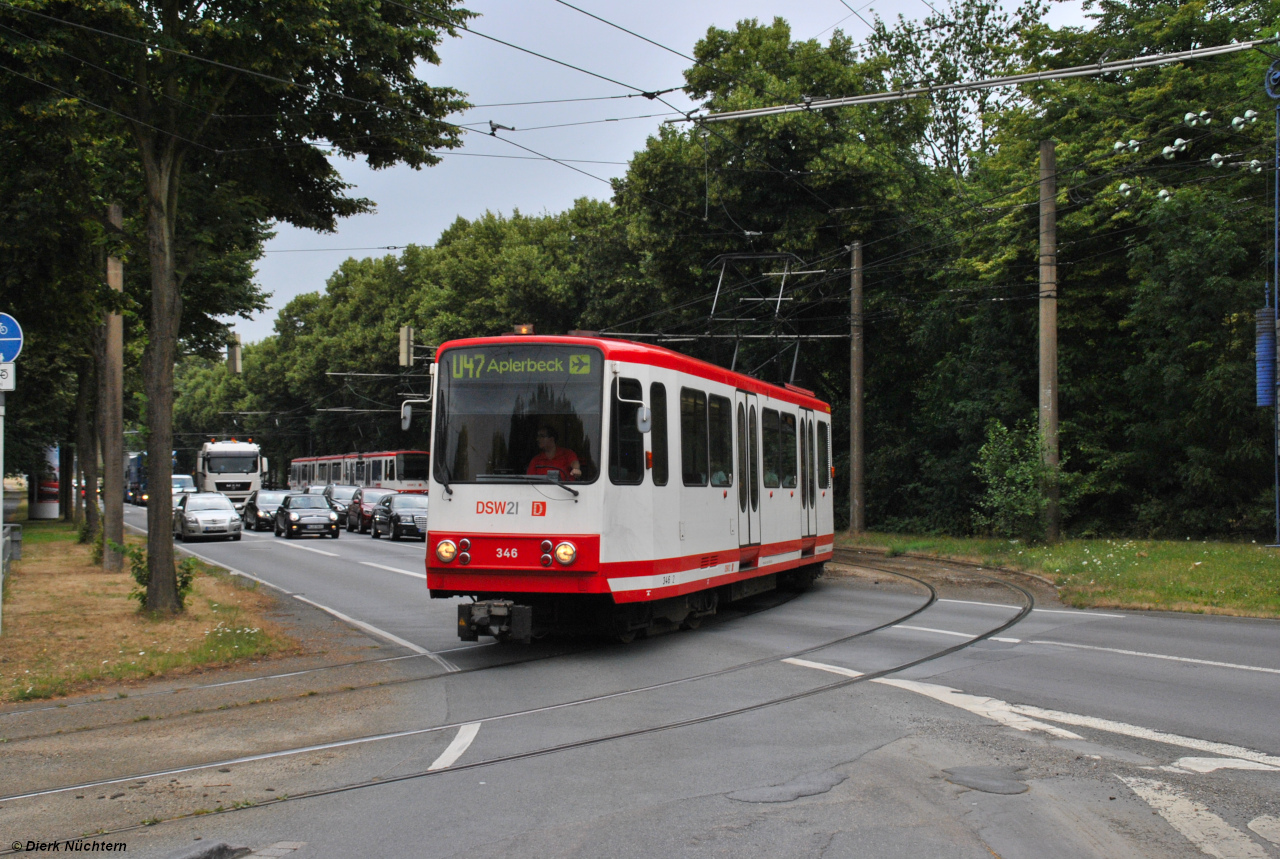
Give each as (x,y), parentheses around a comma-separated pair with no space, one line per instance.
(1027,598)
(309,694)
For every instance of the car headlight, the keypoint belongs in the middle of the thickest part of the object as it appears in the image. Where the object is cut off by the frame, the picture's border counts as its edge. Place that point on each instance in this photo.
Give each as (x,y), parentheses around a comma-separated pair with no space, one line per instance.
(293,517)
(566,553)
(263,515)
(192,520)
(446,550)
(333,517)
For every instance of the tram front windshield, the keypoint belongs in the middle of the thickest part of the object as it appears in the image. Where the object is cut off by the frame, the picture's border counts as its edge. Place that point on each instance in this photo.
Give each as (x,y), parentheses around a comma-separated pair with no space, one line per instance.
(493,403)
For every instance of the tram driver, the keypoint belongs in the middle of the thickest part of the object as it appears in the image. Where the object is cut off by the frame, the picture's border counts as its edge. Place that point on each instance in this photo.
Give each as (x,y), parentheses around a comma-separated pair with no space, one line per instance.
(553,460)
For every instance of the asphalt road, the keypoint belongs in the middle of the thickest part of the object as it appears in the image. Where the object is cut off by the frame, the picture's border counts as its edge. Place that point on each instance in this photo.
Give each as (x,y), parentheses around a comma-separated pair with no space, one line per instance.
(1070,734)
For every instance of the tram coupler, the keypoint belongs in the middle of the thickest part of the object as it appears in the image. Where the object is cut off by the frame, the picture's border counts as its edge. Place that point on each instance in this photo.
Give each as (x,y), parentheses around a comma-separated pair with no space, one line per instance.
(502,619)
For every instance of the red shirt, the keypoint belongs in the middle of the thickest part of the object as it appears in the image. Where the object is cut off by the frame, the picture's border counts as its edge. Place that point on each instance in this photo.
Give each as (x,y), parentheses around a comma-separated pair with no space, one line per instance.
(563,460)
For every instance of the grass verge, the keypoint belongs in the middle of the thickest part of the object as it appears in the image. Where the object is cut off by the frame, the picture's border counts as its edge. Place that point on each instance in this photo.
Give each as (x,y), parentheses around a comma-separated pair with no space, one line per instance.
(69,627)
(1241,579)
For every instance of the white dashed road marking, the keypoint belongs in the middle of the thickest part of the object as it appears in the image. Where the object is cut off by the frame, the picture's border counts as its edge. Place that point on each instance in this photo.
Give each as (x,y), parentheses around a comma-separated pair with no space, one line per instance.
(1206,830)
(307,549)
(991,708)
(1208,765)
(276,851)
(382,633)
(996,709)
(466,734)
(1040,610)
(1144,655)
(1267,826)
(393,569)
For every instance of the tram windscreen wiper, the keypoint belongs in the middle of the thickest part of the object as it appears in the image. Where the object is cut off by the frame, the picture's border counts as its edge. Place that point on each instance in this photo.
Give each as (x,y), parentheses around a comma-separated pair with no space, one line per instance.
(525,478)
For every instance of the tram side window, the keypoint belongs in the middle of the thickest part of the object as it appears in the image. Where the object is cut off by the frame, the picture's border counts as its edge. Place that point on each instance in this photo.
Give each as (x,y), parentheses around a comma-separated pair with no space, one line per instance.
(824,457)
(626,442)
(658,436)
(787,462)
(720,425)
(414,466)
(360,472)
(375,471)
(772,447)
(391,469)
(693,437)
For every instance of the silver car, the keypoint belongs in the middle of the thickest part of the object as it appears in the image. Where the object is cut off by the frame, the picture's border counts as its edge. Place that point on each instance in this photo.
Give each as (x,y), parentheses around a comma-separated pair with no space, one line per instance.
(206,515)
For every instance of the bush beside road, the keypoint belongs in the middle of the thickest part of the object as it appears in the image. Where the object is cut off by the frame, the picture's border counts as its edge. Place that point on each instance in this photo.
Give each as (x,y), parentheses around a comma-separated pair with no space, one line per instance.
(1239,579)
(69,627)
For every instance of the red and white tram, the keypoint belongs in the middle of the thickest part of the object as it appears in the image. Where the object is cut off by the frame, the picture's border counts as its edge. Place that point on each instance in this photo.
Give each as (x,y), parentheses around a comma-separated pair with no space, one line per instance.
(403,470)
(668,485)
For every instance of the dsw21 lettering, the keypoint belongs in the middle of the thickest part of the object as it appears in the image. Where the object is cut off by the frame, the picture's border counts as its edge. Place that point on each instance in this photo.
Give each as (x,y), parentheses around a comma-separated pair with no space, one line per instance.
(497,508)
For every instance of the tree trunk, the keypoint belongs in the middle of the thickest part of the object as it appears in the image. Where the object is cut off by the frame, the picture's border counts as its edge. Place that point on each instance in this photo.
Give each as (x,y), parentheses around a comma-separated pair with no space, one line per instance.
(86,446)
(111,374)
(157,368)
(66,480)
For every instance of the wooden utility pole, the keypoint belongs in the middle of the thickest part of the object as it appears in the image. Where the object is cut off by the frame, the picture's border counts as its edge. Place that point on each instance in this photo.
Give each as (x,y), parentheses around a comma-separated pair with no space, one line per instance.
(857,500)
(1049,334)
(113,415)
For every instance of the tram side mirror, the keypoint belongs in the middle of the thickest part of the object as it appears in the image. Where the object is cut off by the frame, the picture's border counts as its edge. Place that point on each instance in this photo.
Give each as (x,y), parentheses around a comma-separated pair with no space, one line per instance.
(406,416)
(644,419)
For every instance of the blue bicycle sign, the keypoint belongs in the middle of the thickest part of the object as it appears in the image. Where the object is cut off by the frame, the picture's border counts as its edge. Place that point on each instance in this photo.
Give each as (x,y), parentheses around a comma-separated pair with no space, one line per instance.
(10,338)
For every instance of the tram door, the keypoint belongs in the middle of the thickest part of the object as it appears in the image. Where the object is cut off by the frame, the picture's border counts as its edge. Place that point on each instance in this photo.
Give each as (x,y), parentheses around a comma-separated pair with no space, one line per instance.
(747,438)
(808,474)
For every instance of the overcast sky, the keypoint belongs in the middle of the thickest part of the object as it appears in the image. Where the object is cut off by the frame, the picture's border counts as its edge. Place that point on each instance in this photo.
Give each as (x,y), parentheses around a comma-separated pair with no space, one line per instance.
(414,207)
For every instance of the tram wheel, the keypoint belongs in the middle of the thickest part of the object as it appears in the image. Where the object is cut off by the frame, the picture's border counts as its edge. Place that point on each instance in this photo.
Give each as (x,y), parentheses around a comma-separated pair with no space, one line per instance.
(691,622)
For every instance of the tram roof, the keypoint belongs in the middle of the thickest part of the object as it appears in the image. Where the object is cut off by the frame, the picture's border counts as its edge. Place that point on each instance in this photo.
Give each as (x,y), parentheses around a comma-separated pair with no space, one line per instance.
(657,356)
(362,454)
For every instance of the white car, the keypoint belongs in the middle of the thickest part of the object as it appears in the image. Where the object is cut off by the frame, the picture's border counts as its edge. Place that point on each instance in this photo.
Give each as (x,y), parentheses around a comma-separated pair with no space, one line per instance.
(183,484)
(206,515)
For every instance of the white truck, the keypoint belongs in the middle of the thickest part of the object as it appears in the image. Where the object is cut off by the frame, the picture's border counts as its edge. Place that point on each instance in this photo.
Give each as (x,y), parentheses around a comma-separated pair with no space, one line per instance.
(234,468)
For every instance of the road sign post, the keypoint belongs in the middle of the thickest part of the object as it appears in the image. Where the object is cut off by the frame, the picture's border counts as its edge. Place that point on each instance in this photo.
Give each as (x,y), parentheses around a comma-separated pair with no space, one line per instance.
(10,348)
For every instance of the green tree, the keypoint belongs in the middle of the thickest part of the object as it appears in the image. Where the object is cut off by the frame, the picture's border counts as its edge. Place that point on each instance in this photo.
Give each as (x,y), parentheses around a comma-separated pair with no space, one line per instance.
(1014,477)
(234,100)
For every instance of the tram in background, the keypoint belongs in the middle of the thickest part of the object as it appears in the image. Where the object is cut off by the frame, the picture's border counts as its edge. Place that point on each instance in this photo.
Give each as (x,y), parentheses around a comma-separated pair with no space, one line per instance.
(402,470)
(590,484)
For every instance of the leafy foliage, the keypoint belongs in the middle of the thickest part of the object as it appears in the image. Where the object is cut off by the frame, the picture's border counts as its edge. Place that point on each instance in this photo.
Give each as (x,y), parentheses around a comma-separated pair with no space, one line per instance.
(1012,470)
(1155,295)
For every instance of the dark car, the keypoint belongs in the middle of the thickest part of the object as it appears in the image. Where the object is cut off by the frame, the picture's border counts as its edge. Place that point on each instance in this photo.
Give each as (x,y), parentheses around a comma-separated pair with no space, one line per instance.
(306,514)
(360,510)
(401,515)
(206,515)
(260,510)
(340,496)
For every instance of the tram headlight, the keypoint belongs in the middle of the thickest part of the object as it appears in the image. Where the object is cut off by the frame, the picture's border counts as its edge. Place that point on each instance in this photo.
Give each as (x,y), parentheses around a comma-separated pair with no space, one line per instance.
(566,553)
(446,551)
